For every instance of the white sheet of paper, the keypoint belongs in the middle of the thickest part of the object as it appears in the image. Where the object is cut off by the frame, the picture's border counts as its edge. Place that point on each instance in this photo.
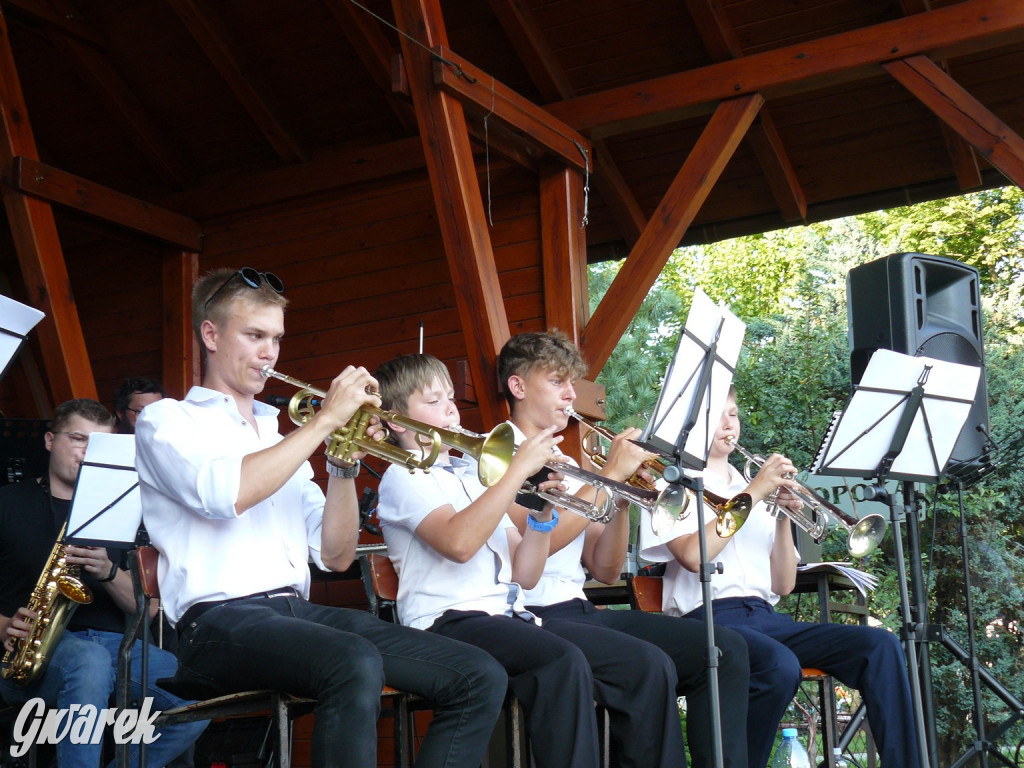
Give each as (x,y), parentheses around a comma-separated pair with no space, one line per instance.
(16,320)
(681,381)
(858,444)
(107,475)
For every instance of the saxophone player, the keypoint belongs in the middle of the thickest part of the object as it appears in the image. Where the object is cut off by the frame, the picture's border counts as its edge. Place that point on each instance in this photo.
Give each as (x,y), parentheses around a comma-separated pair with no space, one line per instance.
(82,665)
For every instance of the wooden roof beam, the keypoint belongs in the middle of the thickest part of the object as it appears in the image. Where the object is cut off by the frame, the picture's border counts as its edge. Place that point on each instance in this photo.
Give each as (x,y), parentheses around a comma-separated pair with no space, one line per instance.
(121,103)
(675,213)
(722,45)
(968,26)
(216,43)
(458,203)
(34,232)
(550,79)
(456,76)
(56,186)
(991,137)
(68,23)
(377,55)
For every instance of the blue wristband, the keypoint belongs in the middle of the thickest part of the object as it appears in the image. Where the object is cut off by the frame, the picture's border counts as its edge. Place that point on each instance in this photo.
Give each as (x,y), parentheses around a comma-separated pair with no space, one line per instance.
(543,527)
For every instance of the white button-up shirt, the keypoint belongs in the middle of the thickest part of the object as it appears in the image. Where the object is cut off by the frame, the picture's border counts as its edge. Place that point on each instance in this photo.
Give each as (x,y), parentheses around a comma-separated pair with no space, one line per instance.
(189,457)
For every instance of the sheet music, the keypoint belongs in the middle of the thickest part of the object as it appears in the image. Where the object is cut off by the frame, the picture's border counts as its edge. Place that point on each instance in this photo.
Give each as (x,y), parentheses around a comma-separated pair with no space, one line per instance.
(705,324)
(106,509)
(864,433)
(16,320)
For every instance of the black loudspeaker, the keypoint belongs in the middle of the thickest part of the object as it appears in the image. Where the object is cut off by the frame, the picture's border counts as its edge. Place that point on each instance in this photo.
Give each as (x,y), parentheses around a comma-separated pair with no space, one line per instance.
(921,305)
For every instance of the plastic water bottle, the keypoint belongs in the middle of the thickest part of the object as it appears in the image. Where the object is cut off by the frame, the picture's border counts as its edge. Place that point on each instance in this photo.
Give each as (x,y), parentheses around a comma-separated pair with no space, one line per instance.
(790,753)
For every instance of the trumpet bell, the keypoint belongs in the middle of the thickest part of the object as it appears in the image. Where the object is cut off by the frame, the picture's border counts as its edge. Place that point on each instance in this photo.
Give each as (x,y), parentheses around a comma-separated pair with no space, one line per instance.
(670,508)
(732,514)
(493,451)
(866,535)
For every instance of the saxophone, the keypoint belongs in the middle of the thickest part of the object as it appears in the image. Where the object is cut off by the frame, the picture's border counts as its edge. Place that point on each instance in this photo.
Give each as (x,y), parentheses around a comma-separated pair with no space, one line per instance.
(57,594)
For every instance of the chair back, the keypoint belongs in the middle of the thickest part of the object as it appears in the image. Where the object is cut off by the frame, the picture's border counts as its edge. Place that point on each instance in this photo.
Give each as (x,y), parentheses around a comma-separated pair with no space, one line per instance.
(646,593)
(146,559)
(381,583)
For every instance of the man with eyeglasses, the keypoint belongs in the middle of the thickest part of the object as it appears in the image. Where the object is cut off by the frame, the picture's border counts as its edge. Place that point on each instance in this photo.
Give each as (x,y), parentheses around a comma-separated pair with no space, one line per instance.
(232,507)
(83,665)
(129,400)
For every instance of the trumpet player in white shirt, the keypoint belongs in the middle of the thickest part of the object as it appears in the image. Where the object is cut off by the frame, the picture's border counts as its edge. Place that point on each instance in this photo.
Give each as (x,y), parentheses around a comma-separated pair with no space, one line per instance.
(641,661)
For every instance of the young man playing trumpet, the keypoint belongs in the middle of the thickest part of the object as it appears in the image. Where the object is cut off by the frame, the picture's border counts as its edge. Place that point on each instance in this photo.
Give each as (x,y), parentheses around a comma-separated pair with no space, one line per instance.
(236,516)
(462,564)
(759,565)
(536,371)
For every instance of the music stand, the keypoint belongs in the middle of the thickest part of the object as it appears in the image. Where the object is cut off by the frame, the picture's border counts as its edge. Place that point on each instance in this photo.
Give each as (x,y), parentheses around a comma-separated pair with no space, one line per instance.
(697,385)
(16,320)
(902,423)
(106,511)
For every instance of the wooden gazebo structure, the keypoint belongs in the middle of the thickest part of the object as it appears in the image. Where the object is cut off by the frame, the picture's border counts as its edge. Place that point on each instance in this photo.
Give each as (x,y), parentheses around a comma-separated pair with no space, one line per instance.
(453,163)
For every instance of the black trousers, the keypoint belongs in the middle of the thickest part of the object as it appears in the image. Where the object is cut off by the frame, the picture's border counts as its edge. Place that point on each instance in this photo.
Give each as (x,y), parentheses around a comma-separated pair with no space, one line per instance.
(619,644)
(550,677)
(342,658)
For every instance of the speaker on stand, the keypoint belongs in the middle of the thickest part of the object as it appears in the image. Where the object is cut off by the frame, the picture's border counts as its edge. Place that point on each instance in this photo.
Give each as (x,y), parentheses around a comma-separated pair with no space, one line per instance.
(930,306)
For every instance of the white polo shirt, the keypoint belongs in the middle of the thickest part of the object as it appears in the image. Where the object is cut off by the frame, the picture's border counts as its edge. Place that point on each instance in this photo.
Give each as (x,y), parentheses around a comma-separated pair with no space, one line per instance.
(745,559)
(429,583)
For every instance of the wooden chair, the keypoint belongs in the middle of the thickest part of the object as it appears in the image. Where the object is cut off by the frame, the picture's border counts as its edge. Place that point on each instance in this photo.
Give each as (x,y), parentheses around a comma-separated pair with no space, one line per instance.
(646,595)
(280,707)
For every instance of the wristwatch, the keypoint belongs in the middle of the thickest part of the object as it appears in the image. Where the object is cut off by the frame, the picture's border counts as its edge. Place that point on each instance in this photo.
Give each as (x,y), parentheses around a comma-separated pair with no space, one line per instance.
(113,574)
(349,473)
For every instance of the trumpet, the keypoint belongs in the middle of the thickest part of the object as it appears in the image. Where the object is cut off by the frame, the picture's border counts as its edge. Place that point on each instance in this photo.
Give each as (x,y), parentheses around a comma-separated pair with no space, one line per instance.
(864,535)
(493,452)
(599,458)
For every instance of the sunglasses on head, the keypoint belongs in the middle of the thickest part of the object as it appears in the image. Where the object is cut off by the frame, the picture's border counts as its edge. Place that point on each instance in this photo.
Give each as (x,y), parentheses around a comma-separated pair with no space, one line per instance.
(253,279)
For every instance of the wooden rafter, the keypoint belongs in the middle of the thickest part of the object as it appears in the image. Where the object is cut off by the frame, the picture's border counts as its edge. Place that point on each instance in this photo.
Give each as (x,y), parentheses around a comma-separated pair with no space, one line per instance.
(68,22)
(674,214)
(968,26)
(215,40)
(457,200)
(550,79)
(991,137)
(53,185)
(720,40)
(119,100)
(460,78)
(39,253)
(377,55)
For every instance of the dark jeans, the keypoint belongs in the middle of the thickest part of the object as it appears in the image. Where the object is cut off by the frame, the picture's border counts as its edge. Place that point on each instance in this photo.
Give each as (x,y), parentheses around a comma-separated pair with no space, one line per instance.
(342,658)
(866,658)
(550,677)
(632,655)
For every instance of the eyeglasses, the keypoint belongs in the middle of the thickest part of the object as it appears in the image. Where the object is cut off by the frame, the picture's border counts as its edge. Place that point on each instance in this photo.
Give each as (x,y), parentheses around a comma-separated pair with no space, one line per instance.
(136,411)
(76,438)
(253,279)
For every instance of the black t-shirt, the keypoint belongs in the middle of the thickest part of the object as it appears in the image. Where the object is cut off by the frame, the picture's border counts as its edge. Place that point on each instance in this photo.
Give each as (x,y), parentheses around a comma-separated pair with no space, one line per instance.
(29,524)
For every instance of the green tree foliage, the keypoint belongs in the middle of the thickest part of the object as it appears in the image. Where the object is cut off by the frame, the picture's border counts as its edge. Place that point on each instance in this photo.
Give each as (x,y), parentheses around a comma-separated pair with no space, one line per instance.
(789,287)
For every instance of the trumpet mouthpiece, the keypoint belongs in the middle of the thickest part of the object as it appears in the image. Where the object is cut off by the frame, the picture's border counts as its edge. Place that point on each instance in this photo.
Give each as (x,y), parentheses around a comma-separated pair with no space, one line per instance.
(267,371)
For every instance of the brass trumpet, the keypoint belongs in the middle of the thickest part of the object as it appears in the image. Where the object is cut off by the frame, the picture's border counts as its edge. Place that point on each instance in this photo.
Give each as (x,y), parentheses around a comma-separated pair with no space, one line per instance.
(492,451)
(599,458)
(864,535)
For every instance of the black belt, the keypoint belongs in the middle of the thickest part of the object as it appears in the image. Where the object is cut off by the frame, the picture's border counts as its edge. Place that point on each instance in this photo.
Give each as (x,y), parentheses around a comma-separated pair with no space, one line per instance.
(199,609)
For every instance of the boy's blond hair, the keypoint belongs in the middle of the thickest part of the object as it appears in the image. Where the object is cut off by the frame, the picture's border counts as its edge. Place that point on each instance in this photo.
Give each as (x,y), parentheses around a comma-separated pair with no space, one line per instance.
(550,351)
(213,293)
(403,376)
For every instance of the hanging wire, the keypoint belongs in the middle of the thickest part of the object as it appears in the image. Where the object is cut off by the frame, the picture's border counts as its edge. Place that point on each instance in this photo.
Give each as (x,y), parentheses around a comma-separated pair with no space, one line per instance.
(459,72)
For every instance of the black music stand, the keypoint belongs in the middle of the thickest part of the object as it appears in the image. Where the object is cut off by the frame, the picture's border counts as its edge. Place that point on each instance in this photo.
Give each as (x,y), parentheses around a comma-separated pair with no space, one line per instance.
(683,427)
(902,423)
(16,320)
(106,511)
